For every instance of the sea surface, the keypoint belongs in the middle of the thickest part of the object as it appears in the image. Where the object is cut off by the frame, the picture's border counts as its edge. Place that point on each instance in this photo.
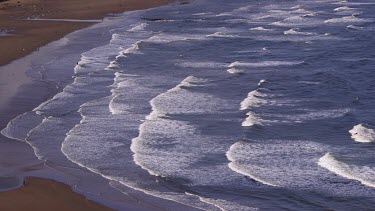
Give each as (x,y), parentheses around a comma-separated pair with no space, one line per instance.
(221,105)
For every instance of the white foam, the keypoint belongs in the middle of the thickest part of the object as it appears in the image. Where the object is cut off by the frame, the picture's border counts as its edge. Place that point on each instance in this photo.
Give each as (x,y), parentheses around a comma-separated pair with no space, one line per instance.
(224,14)
(264,64)
(309,82)
(312,115)
(180,100)
(260,97)
(129,92)
(353,3)
(202,13)
(103,132)
(362,134)
(261,160)
(283,13)
(254,119)
(295,31)
(263,81)
(352,27)
(166,38)
(253,99)
(224,205)
(235,71)
(121,40)
(238,12)
(223,34)
(169,147)
(244,9)
(345,8)
(148,155)
(138,27)
(236,168)
(298,21)
(91,144)
(201,64)
(80,91)
(134,49)
(304,12)
(257,99)
(305,39)
(259,28)
(348,19)
(297,7)
(272,14)
(19,127)
(363,174)
(238,20)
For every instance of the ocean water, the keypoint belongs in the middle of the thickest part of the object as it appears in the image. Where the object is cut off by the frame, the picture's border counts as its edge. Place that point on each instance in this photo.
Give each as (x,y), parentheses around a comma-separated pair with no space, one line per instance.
(221,105)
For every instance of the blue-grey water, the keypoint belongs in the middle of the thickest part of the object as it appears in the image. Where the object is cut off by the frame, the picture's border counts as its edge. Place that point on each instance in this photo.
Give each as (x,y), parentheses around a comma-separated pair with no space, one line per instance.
(223,105)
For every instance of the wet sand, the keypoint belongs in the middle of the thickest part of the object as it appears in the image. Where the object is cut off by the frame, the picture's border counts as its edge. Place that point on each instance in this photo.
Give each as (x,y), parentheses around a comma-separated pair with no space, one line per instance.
(43,194)
(19,94)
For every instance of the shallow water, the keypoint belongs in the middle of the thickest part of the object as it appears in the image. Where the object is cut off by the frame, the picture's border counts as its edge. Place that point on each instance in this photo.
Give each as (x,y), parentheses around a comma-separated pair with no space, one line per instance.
(9,183)
(4,33)
(223,105)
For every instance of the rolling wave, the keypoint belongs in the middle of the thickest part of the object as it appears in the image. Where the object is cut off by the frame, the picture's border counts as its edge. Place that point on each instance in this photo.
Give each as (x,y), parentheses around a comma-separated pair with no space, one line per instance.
(295,31)
(260,160)
(264,64)
(348,19)
(363,174)
(253,99)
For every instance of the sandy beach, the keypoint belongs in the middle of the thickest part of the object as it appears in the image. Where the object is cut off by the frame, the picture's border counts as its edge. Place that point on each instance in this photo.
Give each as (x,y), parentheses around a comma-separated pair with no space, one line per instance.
(29,35)
(42,194)
(19,94)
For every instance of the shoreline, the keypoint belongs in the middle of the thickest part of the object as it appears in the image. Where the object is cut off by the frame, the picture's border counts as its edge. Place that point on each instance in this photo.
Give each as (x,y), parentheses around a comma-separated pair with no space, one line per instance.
(44,194)
(19,93)
(27,35)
